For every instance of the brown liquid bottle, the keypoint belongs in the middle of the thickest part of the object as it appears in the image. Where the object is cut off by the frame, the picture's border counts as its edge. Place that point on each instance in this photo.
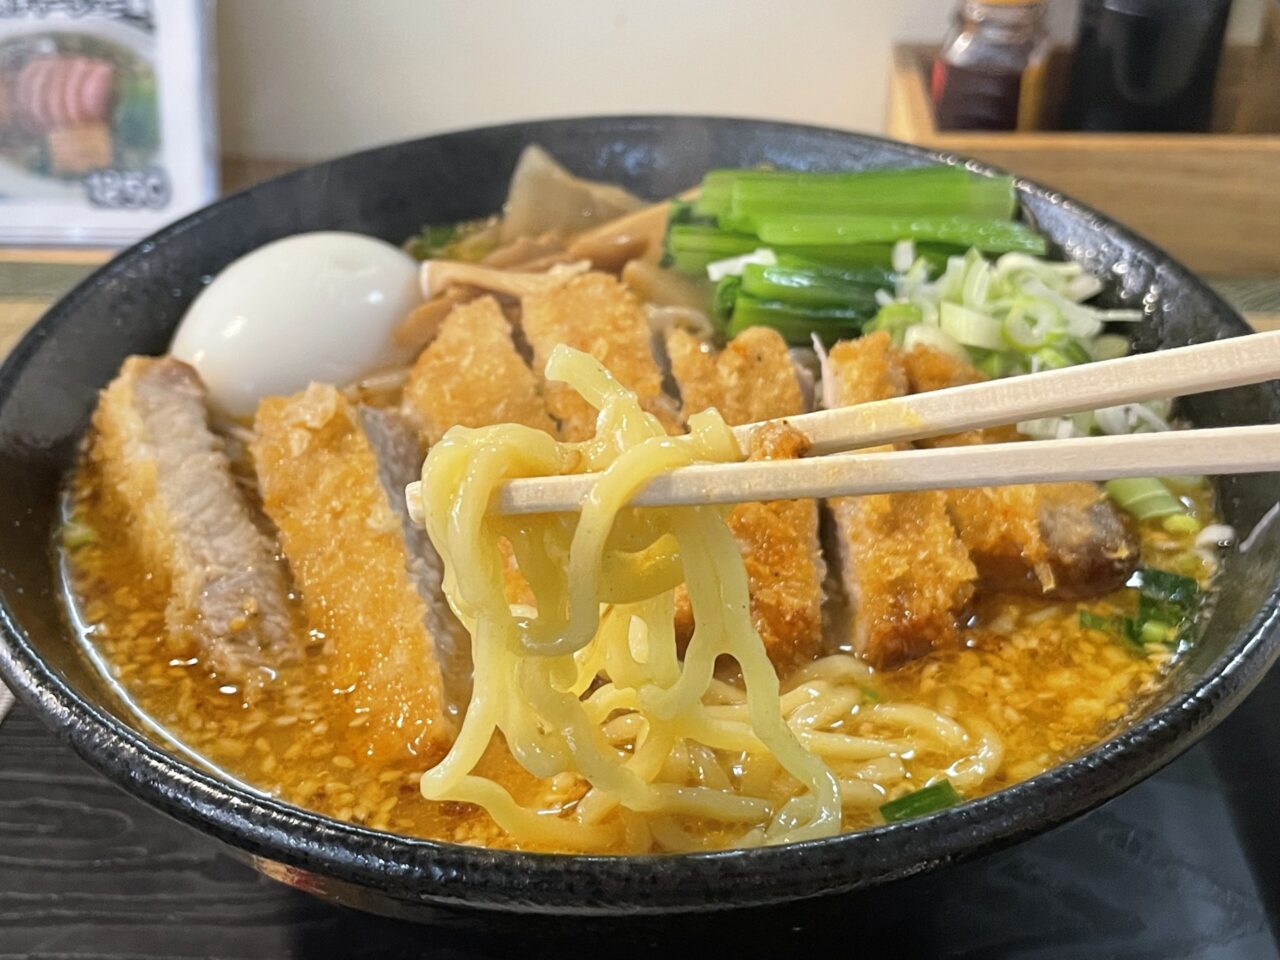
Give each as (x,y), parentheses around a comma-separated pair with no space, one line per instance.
(989,73)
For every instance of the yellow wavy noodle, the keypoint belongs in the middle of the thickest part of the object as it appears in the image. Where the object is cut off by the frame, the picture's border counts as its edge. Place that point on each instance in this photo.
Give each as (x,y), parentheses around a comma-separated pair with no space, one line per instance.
(588,684)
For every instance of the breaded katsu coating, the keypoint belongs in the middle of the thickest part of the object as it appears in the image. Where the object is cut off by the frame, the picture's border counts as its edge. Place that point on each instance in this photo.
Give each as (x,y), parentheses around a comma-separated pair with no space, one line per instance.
(472,375)
(594,313)
(1093,547)
(751,379)
(326,489)
(864,370)
(907,575)
(190,523)
(929,369)
(1058,540)
(1062,540)
(785,566)
(754,379)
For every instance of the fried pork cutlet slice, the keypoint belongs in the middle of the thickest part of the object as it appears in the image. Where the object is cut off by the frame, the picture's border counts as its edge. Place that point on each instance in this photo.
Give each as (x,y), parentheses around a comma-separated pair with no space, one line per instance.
(598,315)
(1062,541)
(332,477)
(754,379)
(472,375)
(929,369)
(191,523)
(907,575)
(1059,540)
(751,379)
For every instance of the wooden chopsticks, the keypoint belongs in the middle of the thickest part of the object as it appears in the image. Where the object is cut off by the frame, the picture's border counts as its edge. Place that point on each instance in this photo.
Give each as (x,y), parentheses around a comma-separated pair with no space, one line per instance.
(1217,451)
(1177,372)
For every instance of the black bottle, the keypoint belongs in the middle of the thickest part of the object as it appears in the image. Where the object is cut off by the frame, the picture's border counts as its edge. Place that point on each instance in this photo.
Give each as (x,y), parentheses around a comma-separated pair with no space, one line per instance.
(1145,65)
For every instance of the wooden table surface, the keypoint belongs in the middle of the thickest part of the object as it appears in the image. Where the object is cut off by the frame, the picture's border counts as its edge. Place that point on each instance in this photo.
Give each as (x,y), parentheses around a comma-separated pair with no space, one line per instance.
(1170,869)
(86,871)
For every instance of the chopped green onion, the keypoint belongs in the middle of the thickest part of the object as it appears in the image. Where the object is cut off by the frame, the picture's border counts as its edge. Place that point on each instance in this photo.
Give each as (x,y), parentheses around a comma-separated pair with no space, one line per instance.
(923,335)
(431,241)
(1029,324)
(1051,359)
(1145,498)
(1168,587)
(1130,630)
(468,240)
(1075,351)
(930,799)
(969,327)
(820,229)
(1154,631)
(1180,523)
(1096,621)
(1109,346)
(1167,600)
(1167,603)
(1033,304)
(76,534)
(1066,352)
(896,318)
(997,363)
(1184,483)
(975,286)
(1122,628)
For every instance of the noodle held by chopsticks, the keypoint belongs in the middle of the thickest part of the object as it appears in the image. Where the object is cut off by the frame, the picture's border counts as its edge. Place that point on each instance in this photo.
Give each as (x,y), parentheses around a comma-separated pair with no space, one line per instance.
(591,684)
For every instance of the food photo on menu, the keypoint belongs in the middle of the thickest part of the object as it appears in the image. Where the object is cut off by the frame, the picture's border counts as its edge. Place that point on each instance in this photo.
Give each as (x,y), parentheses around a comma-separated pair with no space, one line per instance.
(90,150)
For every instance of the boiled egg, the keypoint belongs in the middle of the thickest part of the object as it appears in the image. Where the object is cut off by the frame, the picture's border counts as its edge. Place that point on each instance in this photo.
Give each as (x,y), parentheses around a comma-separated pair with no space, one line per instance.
(311,307)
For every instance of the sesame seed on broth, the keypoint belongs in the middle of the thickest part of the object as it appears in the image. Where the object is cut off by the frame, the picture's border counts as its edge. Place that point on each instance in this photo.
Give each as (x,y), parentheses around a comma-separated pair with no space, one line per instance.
(1048,688)
(298,740)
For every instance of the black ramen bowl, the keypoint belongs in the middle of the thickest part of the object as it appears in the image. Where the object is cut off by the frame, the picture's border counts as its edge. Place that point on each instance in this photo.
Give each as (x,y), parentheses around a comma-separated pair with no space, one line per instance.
(48,387)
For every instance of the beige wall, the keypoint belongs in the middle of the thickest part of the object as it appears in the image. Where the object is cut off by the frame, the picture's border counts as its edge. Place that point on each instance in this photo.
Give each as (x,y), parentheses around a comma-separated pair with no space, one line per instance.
(312,78)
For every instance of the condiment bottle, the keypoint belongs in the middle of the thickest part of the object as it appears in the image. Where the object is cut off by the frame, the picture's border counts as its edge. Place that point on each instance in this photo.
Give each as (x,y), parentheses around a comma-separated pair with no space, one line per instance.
(1259,110)
(1145,64)
(989,74)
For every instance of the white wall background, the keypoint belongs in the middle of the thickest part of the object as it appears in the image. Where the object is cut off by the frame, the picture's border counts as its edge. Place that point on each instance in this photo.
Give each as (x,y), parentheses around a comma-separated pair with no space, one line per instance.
(302,79)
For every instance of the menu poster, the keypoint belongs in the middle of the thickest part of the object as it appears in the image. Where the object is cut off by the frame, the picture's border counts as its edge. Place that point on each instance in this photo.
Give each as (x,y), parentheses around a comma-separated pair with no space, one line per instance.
(106,118)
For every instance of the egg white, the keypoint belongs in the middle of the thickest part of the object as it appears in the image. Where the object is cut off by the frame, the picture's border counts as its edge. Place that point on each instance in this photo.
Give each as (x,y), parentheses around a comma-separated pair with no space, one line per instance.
(310,307)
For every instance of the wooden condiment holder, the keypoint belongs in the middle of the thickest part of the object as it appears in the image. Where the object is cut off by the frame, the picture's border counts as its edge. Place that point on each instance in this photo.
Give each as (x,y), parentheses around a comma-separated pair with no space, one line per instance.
(1212,199)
